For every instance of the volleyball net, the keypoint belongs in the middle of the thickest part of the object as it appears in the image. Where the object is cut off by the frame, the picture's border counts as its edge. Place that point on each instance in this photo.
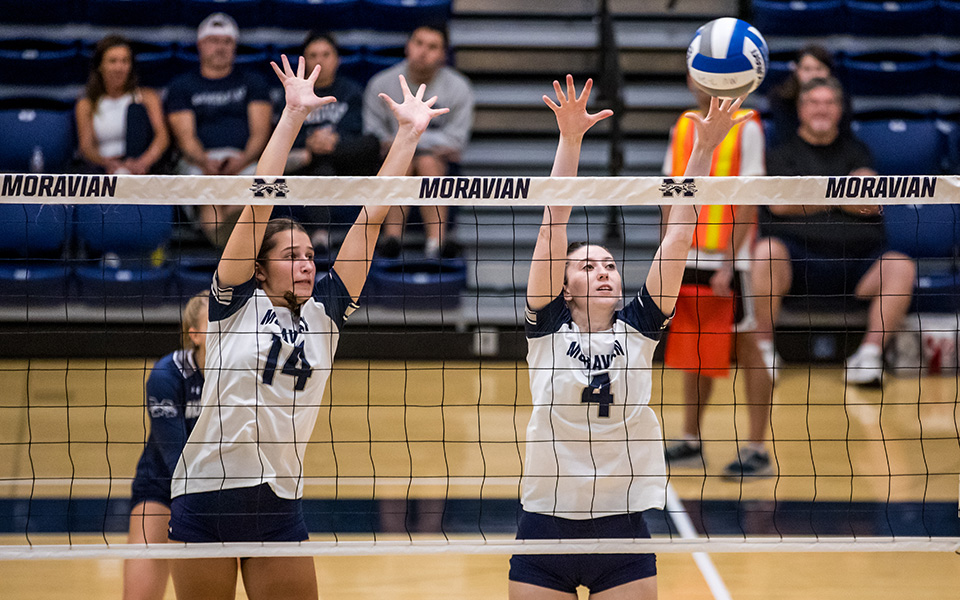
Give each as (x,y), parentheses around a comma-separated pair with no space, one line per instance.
(420,442)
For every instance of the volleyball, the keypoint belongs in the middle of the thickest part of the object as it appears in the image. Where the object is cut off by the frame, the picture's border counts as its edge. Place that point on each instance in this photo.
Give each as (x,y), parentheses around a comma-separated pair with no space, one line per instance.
(727,58)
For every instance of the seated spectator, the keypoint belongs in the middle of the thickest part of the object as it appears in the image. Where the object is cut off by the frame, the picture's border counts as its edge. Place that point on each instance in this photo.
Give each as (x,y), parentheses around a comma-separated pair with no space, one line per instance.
(220,118)
(812,62)
(120,125)
(332,141)
(799,246)
(441,144)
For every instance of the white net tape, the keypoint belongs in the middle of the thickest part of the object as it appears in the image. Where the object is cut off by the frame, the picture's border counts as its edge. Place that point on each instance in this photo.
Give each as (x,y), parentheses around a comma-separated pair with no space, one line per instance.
(478,191)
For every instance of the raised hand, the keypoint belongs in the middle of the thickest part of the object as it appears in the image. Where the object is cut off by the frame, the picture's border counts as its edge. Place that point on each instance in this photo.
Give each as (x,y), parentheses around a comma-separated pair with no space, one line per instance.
(571,111)
(413,112)
(719,120)
(298,90)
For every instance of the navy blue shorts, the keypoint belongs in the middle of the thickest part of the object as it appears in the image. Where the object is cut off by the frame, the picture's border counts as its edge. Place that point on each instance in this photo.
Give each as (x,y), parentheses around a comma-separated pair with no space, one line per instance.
(251,514)
(817,274)
(597,572)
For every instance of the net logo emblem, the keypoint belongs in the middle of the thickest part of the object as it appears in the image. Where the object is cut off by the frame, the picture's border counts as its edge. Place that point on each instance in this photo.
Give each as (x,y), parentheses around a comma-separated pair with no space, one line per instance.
(672,188)
(277,189)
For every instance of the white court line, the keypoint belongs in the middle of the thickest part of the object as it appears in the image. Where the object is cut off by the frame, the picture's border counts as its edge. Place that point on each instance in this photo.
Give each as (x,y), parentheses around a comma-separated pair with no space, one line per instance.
(678,514)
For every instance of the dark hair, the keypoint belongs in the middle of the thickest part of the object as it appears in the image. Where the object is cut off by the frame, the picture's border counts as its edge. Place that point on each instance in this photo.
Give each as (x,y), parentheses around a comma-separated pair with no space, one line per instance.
(790,89)
(440,28)
(274,228)
(574,246)
(319,36)
(828,82)
(95,86)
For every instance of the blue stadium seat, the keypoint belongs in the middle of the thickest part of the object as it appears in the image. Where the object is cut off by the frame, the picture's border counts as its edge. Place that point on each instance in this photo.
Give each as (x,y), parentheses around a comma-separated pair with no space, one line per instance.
(788,17)
(247,13)
(128,242)
(888,73)
(904,146)
(376,59)
(41,62)
(193,275)
(33,136)
(950,16)
(45,12)
(923,230)
(403,15)
(883,17)
(32,237)
(156,63)
(779,68)
(948,72)
(329,15)
(131,12)
(416,284)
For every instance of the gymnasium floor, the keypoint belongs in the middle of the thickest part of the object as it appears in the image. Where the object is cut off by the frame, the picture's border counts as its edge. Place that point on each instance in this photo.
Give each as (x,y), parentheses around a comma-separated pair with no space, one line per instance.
(884,461)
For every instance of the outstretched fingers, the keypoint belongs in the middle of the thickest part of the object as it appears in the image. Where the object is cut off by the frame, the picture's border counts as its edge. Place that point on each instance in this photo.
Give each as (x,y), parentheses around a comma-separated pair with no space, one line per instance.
(585,93)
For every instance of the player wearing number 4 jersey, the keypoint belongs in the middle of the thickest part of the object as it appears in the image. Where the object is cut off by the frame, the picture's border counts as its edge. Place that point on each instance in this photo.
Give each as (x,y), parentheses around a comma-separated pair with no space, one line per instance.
(271,340)
(594,451)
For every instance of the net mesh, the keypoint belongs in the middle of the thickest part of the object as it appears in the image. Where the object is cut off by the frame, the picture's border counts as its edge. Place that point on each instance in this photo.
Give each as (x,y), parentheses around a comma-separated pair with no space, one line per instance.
(420,440)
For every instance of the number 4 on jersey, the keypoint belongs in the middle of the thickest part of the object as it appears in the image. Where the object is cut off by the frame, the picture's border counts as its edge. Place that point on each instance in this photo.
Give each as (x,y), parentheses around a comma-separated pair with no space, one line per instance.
(599,392)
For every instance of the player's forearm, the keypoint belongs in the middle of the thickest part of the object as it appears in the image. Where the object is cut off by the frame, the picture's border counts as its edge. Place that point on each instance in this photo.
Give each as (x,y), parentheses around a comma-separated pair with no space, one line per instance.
(274,157)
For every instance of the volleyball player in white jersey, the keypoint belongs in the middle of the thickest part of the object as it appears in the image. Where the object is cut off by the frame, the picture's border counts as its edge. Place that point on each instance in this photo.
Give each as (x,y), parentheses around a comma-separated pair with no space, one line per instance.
(594,450)
(271,340)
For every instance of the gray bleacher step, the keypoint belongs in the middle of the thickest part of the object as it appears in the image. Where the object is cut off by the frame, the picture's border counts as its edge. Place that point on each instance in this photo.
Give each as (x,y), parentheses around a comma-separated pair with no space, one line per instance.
(532,154)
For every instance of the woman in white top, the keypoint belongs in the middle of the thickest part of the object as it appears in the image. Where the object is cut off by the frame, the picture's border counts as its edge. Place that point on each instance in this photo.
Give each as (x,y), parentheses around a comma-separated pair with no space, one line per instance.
(271,341)
(102,112)
(594,450)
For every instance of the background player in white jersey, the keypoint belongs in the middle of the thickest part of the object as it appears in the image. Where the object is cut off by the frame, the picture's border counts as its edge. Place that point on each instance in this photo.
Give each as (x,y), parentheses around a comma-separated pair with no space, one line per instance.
(173,403)
(594,450)
(272,336)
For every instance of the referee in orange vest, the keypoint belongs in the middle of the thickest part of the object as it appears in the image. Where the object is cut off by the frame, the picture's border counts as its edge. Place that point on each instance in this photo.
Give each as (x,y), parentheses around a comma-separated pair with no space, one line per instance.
(714,313)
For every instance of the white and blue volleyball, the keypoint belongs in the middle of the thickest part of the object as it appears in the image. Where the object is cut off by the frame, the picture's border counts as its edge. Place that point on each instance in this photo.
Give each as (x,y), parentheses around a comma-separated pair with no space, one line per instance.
(727,58)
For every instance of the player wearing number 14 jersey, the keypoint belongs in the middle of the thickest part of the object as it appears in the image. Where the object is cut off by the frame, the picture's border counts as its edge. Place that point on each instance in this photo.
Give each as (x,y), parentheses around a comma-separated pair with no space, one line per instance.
(272,334)
(594,450)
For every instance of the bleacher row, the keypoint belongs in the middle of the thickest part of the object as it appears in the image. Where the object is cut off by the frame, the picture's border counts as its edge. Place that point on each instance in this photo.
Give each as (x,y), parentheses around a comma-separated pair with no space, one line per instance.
(382,15)
(857,17)
(126,255)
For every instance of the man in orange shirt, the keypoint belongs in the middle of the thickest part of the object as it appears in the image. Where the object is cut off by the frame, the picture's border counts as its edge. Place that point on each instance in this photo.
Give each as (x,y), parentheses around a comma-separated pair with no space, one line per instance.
(714,312)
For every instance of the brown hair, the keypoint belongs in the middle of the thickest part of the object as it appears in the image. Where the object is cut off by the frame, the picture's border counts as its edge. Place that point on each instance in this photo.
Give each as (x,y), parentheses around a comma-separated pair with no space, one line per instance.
(573,247)
(274,228)
(790,89)
(191,316)
(95,86)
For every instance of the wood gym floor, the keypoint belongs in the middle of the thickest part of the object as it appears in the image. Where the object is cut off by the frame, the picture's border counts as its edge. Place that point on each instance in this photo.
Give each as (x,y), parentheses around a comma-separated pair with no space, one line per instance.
(69,427)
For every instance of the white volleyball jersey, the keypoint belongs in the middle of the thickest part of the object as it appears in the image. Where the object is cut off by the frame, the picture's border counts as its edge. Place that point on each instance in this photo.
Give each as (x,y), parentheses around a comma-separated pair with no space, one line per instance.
(263,382)
(594,446)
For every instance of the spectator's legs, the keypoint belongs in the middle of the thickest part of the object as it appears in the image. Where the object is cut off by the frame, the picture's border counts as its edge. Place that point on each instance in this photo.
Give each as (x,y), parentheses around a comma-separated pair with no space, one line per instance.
(771,276)
(758,386)
(696,394)
(434,217)
(889,284)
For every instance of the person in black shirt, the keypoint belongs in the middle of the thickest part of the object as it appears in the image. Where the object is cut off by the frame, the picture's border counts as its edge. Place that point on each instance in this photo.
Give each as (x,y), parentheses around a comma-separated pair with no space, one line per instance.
(332,140)
(828,250)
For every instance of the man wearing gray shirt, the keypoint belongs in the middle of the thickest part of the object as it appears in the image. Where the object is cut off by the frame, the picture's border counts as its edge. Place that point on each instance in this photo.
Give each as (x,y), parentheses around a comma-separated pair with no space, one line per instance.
(441,144)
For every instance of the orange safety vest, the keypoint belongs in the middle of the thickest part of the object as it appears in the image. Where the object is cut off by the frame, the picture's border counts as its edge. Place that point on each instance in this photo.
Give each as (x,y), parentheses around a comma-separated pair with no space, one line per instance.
(715,223)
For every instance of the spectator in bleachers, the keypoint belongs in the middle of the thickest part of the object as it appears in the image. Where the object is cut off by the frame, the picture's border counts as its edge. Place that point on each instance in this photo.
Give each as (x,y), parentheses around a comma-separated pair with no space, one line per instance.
(714,312)
(828,250)
(813,62)
(120,125)
(220,118)
(331,141)
(441,145)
